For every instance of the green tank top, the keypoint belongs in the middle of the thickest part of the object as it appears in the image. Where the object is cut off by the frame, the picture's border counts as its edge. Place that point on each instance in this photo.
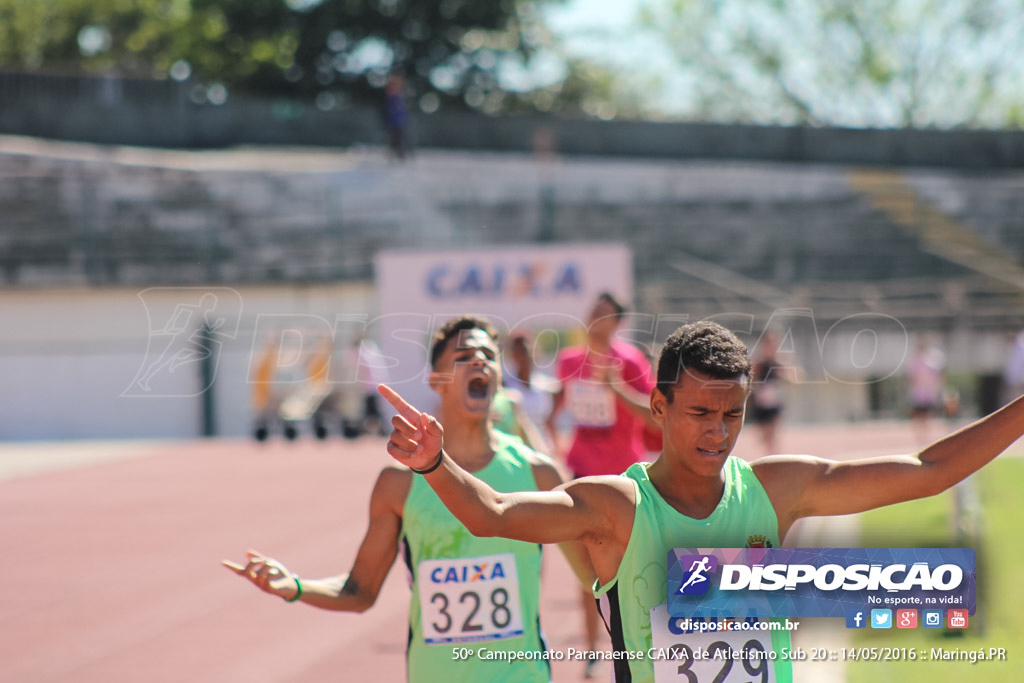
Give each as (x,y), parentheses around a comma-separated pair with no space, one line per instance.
(633,603)
(473,599)
(503,413)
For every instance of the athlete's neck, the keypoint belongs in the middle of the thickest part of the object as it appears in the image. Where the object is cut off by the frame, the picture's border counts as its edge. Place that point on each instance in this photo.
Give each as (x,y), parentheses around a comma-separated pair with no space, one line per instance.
(688,493)
(468,440)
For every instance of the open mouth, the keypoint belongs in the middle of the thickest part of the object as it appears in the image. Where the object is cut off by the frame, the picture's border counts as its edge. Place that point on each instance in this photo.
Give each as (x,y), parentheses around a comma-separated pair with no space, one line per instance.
(478,387)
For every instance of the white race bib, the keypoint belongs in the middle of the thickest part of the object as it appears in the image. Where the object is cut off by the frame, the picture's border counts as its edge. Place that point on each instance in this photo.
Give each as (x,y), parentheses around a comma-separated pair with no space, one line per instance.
(591,405)
(704,657)
(469,599)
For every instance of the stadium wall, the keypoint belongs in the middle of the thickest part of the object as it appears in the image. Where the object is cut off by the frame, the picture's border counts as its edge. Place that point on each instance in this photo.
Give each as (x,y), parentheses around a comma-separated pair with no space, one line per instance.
(121,362)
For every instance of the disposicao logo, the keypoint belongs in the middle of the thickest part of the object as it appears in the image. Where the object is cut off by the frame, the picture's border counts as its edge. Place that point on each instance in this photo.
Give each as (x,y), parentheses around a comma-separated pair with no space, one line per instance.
(832,577)
(696,580)
(806,582)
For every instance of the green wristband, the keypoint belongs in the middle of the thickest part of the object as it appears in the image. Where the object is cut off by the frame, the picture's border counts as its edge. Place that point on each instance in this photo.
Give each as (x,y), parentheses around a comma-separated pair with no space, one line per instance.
(298,589)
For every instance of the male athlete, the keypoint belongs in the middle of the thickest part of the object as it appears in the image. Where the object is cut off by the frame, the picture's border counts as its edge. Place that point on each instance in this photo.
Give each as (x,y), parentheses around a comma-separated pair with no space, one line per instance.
(695,494)
(464,589)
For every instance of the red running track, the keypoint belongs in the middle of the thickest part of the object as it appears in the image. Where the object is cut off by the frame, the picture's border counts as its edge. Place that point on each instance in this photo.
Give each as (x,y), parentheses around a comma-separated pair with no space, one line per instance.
(114,575)
(113,572)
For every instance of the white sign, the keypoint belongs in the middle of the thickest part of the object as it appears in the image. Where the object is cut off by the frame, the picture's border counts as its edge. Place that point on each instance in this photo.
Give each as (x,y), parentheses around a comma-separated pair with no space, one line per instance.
(536,287)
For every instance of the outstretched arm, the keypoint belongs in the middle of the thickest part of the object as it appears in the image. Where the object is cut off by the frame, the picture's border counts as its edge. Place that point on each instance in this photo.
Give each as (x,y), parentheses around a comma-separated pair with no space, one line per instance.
(578,511)
(357,590)
(803,486)
(548,477)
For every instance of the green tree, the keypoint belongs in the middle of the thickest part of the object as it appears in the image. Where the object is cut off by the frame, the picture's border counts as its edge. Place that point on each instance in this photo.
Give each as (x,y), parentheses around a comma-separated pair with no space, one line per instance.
(863,63)
(449,50)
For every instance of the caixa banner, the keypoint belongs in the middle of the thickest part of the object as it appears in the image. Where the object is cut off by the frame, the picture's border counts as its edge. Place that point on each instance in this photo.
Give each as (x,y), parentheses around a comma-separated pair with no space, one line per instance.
(813,582)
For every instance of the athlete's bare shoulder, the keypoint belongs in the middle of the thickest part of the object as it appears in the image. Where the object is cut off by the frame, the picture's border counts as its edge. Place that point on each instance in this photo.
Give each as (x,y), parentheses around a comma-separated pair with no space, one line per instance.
(614,488)
(608,503)
(392,487)
(785,476)
(610,498)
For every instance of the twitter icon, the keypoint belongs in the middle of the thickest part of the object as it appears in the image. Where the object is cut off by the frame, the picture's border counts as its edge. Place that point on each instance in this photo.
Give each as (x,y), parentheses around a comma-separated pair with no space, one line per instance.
(881,618)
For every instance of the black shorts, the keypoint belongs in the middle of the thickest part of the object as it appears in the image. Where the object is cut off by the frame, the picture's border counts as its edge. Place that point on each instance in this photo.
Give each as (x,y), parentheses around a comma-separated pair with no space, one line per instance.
(923,409)
(370,407)
(761,415)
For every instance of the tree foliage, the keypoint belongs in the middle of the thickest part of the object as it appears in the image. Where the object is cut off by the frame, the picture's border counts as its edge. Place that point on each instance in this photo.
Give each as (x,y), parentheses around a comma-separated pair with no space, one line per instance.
(449,50)
(863,63)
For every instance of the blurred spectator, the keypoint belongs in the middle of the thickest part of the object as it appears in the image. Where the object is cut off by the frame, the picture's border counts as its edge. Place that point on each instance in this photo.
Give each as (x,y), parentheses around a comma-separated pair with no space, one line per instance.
(265,397)
(1013,374)
(767,399)
(544,146)
(396,115)
(507,415)
(371,369)
(536,389)
(925,383)
(313,398)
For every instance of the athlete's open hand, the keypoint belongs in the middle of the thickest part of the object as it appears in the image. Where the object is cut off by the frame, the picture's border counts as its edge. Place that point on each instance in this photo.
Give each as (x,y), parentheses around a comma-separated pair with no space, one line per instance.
(267,573)
(417,437)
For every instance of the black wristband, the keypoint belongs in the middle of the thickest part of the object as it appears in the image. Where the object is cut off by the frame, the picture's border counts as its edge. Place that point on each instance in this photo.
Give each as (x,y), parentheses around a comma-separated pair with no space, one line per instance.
(440,457)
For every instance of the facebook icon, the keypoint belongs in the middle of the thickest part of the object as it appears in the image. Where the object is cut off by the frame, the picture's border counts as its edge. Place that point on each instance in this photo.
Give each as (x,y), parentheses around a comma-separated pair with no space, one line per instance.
(856,618)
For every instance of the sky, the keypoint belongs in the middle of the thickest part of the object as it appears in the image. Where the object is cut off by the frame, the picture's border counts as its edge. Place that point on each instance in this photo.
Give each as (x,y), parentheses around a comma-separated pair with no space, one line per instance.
(583,13)
(584,27)
(604,32)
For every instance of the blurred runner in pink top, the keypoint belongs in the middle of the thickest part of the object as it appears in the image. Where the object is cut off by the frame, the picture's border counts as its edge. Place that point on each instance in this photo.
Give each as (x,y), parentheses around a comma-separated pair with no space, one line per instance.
(606,387)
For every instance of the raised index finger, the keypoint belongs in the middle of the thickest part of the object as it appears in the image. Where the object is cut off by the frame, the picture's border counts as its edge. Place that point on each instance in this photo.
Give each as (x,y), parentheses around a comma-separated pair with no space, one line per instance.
(404,408)
(233,566)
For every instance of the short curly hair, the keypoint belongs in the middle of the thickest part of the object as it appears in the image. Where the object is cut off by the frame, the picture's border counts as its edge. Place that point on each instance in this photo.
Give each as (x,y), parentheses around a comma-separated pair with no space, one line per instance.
(453,328)
(705,347)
